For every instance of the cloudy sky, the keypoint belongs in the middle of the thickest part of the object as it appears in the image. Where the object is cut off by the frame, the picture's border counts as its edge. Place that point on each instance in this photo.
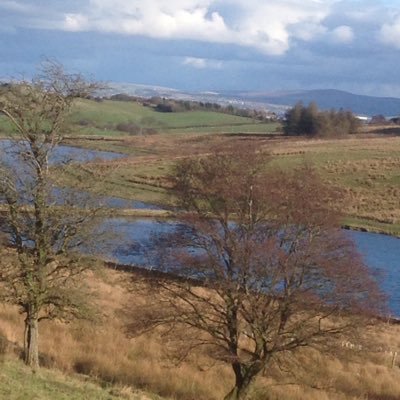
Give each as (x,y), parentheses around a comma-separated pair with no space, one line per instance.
(263,45)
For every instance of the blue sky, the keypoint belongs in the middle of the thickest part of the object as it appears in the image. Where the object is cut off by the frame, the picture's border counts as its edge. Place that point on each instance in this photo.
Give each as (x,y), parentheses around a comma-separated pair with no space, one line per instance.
(263,45)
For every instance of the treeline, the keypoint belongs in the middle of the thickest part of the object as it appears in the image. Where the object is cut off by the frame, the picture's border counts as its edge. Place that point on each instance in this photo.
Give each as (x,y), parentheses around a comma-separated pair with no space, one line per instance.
(310,121)
(162,104)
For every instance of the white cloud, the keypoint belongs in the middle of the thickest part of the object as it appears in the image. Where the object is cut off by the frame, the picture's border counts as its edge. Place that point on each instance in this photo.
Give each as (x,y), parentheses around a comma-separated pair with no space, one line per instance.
(343,34)
(268,26)
(390,33)
(202,63)
(14,6)
(75,22)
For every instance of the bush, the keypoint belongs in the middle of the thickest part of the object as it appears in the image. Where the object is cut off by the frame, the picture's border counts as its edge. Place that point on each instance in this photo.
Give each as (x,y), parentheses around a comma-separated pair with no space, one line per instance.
(129,127)
(84,122)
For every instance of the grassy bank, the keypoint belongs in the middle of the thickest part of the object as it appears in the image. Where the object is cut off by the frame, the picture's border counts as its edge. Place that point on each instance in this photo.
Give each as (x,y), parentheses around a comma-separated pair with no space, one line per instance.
(365,225)
(17,382)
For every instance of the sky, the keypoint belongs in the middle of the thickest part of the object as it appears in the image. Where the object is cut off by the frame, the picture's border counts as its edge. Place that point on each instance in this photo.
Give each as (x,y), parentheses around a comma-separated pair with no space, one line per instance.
(210,45)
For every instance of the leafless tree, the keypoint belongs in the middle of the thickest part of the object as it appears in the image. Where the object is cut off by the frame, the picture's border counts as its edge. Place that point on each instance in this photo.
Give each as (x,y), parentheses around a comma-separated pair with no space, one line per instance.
(45,229)
(260,269)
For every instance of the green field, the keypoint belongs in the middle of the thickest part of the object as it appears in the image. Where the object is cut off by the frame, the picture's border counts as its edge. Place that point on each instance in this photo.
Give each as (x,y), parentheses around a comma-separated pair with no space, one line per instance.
(101,118)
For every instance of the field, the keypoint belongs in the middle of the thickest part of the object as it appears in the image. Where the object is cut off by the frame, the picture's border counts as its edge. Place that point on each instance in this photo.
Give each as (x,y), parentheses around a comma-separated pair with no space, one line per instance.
(366,167)
(102,118)
(112,364)
(126,366)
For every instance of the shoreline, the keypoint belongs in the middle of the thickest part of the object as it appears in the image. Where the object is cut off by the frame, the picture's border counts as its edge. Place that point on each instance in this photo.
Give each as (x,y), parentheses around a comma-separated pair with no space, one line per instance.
(169,214)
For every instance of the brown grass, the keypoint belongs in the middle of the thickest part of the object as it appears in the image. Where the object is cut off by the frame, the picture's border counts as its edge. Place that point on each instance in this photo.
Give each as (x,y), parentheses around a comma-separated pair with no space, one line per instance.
(104,351)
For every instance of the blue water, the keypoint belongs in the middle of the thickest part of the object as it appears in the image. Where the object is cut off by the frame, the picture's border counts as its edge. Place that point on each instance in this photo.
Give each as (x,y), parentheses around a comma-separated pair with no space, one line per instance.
(10,149)
(382,254)
(10,153)
(134,246)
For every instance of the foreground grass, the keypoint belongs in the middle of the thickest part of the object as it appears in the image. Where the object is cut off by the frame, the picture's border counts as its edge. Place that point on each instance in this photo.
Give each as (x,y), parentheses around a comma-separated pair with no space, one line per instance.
(125,364)
(17,382)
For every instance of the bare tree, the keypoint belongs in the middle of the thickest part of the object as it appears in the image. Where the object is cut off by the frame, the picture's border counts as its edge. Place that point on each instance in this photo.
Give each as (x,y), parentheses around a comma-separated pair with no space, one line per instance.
(260,268)
(45,226)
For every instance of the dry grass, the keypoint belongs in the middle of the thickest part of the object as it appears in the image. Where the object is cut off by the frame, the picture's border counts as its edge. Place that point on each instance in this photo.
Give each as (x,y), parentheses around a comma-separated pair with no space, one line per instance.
(104,351)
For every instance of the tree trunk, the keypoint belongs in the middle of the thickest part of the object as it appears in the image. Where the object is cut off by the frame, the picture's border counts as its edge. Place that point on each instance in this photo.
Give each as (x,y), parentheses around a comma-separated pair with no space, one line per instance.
(242,384)
(31,342)
(239,392)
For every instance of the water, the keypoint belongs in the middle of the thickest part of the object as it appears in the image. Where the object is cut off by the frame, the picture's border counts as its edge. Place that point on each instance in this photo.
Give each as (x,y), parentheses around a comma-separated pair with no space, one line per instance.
(134,246)
(9,156)
(60,154)
(382,254)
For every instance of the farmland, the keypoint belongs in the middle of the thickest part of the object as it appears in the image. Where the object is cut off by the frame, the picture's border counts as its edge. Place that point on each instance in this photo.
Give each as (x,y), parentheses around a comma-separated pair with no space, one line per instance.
(101,118)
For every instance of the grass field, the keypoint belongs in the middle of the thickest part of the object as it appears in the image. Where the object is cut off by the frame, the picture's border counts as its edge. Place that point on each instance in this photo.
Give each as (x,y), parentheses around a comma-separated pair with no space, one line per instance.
(101,118)
(366,169)
(17,382)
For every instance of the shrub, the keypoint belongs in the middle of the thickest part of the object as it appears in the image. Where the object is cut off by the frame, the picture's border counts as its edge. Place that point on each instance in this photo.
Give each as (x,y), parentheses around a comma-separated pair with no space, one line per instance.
(129,127)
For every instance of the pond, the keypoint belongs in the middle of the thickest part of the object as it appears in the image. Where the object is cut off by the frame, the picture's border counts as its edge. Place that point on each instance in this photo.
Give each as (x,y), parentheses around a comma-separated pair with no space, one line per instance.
(382,254)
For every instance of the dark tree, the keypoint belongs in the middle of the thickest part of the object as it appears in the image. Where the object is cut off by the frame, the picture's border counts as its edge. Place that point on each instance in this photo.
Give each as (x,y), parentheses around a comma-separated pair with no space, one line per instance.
(261,267)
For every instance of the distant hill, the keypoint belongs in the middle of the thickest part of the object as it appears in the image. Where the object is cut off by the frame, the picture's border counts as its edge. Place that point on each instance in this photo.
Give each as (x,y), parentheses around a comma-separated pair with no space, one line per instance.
(327,99)
(273,101)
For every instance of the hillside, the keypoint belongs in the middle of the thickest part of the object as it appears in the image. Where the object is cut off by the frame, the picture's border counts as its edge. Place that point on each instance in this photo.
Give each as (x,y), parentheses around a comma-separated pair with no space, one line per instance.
(106,118)
(124,366)
(17,382)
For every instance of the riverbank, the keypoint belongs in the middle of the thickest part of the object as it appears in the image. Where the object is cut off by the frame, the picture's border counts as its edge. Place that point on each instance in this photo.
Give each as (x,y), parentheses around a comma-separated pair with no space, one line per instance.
(353,224)
(365,225)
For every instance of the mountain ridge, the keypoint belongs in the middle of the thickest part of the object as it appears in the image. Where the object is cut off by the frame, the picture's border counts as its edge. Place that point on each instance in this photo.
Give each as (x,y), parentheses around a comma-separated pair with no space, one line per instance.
(275,101)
